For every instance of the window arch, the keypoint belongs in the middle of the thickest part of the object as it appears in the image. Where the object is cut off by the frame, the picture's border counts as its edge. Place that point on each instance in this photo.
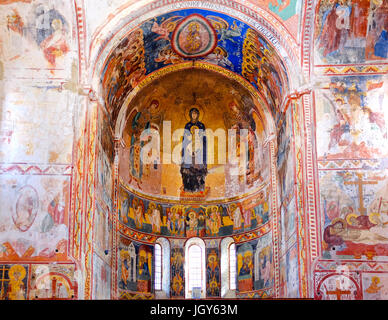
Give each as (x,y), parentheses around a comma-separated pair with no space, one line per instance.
(162,268)
(158,267)
(195,271)
(228,268)
(232,266)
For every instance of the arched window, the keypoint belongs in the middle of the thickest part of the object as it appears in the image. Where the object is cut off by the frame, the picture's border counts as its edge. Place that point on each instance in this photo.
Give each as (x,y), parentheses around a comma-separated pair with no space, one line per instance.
(228,268)
(232,266)
(195,268)
(162,268)
(158,267)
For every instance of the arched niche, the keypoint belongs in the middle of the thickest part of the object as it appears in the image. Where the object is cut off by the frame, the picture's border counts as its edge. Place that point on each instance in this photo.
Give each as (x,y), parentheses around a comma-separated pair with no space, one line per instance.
(165,269)
(226,291)
(195,257)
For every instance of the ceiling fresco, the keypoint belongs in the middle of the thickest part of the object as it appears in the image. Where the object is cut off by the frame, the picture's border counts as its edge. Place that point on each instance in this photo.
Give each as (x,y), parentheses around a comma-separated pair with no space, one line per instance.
(237,48)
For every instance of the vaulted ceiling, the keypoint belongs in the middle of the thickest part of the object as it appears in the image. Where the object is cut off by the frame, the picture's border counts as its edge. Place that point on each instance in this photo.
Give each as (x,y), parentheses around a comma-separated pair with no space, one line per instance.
(234,46)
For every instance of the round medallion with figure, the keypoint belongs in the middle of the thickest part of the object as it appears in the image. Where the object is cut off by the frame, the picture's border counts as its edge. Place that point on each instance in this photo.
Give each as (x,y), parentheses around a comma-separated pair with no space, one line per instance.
(194,37)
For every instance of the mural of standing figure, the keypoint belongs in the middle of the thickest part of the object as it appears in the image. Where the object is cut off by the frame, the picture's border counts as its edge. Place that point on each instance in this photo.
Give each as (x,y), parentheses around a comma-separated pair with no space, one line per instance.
(144,269)
(194,155)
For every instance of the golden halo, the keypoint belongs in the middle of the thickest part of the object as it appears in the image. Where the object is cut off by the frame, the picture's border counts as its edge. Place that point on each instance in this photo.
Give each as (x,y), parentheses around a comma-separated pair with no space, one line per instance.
(123,254)
(233,206)
(350,215)
(17,268)
(213,284)
(154,111)
(247,254)
(192,214)
(188,108)
(372,217)
(335,220)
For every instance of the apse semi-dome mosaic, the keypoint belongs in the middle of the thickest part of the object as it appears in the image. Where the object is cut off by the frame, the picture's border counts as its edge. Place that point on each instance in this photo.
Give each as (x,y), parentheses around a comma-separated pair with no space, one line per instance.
(161,71)
(233,199)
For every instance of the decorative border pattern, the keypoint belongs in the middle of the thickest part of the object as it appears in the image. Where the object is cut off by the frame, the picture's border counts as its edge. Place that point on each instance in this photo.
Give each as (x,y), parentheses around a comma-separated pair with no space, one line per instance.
(75,228)
(82,47)
(246,196)
(90,205)
(260,294)
(151,238)
(352,70)
(301,220)
(35,169)
(275,219)
(115,222)
(352,164)
(360,265)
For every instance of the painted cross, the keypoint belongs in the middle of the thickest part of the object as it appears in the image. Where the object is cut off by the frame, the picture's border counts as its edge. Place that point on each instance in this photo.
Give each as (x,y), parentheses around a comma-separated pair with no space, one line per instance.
(54,287)
(360,183)
(338,292)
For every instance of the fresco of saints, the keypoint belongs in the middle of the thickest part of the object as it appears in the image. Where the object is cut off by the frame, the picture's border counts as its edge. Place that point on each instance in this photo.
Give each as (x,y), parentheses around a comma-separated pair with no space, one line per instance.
(124,257)
(236,216)
(56,209)
(55,45)
(177,261)
(195,224)
(213,221)
(16,287)
(136,165)
(335,28)
(265,267)
(27,206)
(144,270)
(124,210)
(177,286)
(194,154)
(374,290)
(212,275)
(138,212)
(245,272)
(192,224)
(175,223)
(238,119)
(247,218)
(155,212)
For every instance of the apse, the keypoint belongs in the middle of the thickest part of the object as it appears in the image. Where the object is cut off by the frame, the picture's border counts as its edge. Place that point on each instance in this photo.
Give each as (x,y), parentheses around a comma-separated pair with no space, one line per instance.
(192,100)
(185,149)
(156,118)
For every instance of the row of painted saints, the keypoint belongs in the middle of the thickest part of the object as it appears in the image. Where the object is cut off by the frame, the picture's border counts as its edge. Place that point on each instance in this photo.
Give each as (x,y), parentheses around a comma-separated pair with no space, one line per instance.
(254,269)
(191,221)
